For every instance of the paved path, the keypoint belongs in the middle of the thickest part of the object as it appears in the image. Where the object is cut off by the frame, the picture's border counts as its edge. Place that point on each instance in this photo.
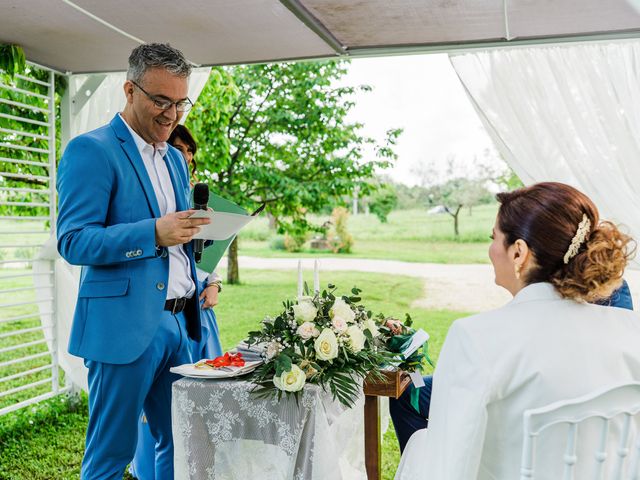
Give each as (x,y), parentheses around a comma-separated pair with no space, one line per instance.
(464,288)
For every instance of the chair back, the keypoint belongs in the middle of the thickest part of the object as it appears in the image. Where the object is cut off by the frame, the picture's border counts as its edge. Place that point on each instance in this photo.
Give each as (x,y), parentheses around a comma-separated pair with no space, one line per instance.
(618,403)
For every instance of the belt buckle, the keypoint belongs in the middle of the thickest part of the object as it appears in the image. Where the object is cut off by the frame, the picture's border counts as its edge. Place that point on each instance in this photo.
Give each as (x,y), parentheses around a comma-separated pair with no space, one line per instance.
(177,305)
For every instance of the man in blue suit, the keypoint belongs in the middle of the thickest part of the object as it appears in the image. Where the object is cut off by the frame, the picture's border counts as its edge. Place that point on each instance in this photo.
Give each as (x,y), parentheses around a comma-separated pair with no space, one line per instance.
(123,216)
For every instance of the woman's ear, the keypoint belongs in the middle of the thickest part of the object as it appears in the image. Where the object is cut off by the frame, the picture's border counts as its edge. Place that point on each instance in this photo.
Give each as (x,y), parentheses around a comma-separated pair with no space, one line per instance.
(520,253)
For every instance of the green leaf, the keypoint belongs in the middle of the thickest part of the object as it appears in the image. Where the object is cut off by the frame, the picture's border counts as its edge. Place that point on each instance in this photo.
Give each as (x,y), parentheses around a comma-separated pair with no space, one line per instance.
(282,363)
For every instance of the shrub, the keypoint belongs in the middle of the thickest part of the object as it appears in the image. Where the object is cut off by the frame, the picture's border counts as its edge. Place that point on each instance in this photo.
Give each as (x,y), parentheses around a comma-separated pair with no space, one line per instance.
(277,243)
(340,239)
(294,242)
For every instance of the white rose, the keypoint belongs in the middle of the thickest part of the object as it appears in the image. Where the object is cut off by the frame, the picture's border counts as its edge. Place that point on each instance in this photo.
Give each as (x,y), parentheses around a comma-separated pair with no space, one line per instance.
(356,338)
(339,323)
(291,381)
(326,345)
(308,330)
(342,309)
(305,311)
(370,325)
(273,349)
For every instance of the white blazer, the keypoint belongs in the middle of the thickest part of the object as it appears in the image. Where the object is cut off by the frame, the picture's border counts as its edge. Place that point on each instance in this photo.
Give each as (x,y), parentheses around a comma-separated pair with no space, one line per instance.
(537,349)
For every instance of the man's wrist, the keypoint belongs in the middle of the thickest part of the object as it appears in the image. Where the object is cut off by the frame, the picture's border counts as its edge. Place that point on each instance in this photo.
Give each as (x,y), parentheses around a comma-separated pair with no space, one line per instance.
(215,283)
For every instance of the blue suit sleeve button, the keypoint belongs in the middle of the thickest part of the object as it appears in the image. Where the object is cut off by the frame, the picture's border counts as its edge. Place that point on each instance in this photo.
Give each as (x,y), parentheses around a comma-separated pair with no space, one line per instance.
(138,252)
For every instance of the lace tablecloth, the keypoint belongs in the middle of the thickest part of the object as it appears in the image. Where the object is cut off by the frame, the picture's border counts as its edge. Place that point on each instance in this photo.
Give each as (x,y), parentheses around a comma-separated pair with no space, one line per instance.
(223,432)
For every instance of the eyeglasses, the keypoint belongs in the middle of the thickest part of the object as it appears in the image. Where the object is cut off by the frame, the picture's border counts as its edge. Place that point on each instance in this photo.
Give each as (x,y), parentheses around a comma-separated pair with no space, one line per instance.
(164,103)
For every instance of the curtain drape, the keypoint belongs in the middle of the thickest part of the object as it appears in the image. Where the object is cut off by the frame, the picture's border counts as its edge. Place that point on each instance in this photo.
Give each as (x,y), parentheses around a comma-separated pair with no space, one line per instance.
(566,113)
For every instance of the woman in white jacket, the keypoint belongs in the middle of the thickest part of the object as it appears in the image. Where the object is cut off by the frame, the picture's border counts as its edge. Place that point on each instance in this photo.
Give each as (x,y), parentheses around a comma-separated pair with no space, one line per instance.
(553,254)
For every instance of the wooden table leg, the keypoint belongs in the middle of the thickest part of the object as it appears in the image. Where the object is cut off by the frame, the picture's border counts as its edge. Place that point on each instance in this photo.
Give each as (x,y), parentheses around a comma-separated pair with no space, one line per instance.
(372,437)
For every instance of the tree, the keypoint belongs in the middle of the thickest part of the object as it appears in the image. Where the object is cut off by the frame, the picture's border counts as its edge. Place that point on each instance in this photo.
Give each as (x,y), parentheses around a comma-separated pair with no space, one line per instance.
(456,193)
(383,201)
(277,134)
(509,180)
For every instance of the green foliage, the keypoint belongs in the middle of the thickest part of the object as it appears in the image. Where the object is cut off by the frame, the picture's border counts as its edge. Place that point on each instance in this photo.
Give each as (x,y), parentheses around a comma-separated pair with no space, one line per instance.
(339,238)
(277,243)
(509,180)
(383,201)
(32,139)
(293,242)
(44,441)
(12,59)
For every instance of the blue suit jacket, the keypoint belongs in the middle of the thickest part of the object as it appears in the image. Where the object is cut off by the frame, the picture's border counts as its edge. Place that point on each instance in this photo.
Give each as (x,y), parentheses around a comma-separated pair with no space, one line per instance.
(106,222)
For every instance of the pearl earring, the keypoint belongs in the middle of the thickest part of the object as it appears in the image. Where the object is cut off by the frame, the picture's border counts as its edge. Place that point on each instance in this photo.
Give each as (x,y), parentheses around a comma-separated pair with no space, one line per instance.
(518,267)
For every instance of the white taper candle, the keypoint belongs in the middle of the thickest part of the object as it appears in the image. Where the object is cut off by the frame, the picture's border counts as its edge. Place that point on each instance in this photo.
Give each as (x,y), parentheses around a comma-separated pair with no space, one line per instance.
(316,277)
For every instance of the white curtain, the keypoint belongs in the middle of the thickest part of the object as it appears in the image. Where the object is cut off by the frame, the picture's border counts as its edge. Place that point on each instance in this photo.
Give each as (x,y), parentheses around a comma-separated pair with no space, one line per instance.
(566,113)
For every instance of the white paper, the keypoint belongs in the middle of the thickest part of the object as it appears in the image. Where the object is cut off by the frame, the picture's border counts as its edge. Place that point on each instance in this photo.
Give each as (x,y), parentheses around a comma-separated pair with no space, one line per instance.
(417,341)
(417,379)
(223,225)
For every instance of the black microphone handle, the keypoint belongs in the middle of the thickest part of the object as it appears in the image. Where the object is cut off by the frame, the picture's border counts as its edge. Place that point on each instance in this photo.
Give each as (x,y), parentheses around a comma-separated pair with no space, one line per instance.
(198,245)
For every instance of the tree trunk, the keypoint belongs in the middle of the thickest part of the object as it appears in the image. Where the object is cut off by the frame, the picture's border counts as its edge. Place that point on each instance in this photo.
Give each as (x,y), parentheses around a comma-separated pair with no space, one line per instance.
(272,221)
(233,271)
(455,221)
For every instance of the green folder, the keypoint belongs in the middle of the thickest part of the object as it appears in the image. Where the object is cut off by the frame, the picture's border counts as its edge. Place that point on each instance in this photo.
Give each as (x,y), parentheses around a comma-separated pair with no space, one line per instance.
(213,253)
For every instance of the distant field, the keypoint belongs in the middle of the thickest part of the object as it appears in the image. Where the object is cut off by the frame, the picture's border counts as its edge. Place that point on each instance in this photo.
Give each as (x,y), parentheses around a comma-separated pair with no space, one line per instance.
(409,235)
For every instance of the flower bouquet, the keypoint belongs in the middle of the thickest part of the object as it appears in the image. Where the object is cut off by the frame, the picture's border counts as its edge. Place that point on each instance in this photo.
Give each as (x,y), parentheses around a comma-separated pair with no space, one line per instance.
(323,339)
(397,337)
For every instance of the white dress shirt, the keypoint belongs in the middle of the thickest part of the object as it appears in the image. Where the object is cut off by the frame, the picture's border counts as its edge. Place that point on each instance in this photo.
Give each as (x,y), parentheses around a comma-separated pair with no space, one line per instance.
(537,349)
(180,282)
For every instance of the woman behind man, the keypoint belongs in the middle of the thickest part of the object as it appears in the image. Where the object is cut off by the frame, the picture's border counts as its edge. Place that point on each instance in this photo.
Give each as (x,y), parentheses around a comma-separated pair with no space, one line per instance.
(553,254)
(142,466)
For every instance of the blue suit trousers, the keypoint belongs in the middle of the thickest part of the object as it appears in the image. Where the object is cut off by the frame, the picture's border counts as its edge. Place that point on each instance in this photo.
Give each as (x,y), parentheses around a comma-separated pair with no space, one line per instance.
(406,420)
(117,395)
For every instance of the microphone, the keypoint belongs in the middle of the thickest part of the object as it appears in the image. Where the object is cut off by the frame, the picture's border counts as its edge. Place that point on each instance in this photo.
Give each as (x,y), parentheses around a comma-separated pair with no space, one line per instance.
(200,201)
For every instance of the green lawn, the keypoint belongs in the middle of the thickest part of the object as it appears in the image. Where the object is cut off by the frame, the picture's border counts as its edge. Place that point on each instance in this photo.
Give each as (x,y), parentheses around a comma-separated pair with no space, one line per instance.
(409,235)
(46,441)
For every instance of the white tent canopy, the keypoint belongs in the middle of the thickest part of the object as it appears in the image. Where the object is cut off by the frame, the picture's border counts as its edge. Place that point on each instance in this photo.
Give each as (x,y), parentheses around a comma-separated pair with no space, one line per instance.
(85,36)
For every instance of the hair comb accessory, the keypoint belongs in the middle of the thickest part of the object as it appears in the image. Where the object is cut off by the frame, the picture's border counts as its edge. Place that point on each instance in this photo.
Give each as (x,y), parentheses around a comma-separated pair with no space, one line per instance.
(584,228)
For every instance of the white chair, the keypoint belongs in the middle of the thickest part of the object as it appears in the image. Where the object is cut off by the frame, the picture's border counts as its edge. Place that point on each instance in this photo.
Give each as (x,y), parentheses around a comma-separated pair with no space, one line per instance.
(621,401)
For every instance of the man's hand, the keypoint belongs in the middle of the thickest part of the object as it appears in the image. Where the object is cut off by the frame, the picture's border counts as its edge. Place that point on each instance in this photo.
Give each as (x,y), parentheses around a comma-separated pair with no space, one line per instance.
(176,228)
(210,296)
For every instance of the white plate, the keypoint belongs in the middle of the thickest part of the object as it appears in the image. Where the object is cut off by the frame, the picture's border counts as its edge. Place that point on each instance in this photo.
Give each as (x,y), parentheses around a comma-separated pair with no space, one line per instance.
(190,370)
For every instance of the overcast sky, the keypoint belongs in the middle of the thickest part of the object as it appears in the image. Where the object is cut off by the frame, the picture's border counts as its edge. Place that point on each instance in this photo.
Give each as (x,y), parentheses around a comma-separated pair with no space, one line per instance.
(422,95)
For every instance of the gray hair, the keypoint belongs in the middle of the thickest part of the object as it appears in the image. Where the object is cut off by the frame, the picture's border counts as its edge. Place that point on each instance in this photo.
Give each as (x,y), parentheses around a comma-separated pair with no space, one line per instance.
(157,55)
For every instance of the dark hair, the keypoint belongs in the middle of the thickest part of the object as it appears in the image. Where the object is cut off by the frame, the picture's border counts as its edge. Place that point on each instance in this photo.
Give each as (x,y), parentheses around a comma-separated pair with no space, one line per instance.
(546,216)
(183,134)
(157,55)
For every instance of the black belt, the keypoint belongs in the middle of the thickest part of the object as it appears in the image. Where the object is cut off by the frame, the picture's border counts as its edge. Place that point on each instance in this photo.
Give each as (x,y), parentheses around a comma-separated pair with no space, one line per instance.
(176,305)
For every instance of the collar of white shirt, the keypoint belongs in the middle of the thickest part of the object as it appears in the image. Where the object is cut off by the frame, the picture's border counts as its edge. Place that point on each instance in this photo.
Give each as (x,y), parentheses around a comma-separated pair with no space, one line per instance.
(160,147)
(537,291)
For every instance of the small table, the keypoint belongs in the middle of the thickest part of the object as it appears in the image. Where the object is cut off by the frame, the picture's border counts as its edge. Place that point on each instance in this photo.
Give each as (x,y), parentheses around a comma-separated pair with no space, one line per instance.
(222,430)
(391,385)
